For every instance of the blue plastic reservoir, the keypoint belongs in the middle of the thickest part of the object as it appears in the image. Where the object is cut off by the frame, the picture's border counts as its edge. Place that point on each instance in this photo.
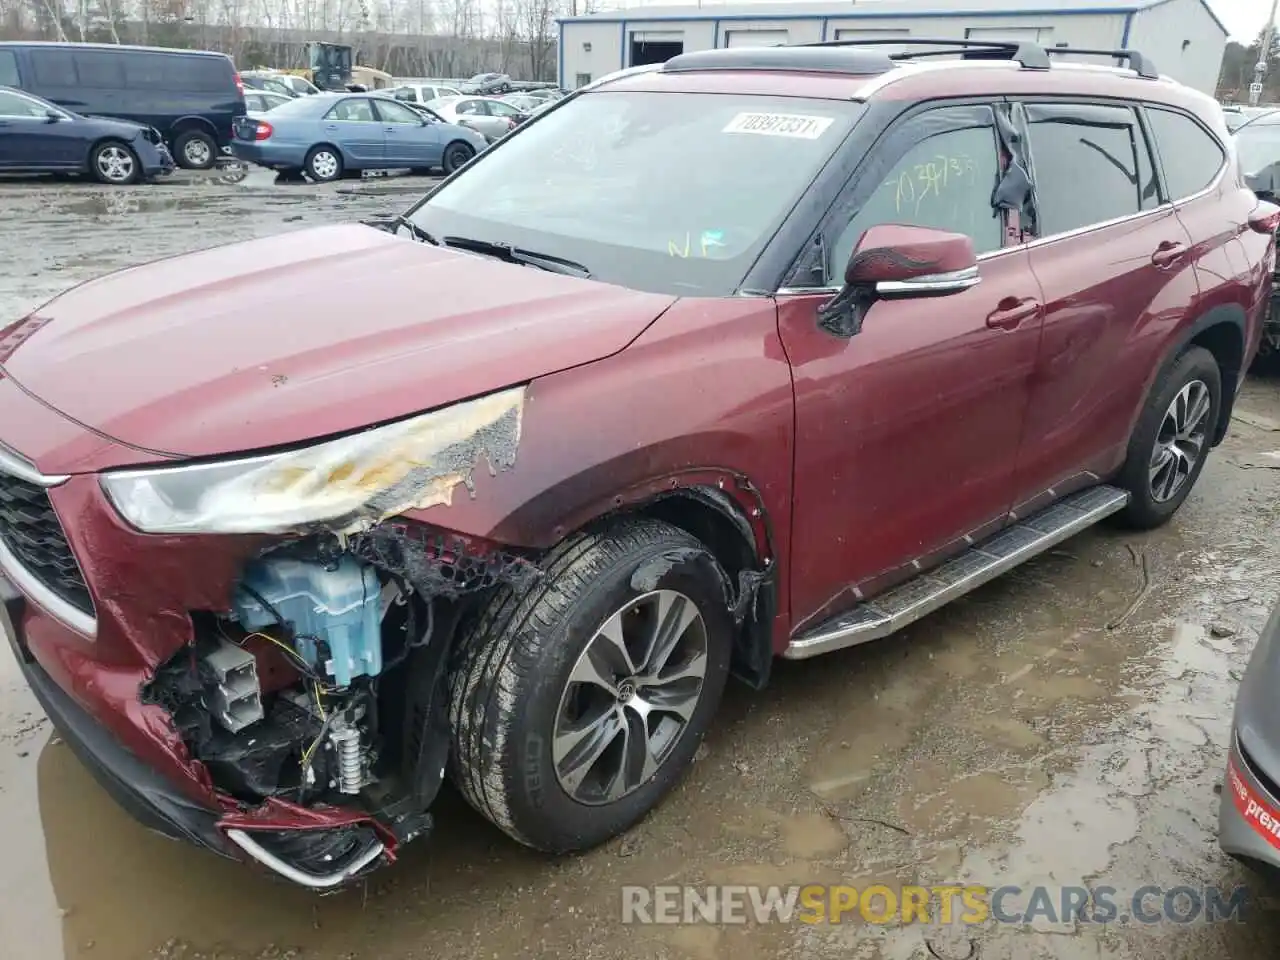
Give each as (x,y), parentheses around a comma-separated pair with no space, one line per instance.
(341,606)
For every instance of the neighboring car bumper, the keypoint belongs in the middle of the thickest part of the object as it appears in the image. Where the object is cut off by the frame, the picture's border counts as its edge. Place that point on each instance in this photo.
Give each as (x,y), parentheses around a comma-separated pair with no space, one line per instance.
(271,155)
(155,158)
(1249,813)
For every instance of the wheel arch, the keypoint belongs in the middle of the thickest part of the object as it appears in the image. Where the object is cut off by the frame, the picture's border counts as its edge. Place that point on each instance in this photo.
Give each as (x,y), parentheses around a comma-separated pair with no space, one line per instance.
(192,122)
(1221,331)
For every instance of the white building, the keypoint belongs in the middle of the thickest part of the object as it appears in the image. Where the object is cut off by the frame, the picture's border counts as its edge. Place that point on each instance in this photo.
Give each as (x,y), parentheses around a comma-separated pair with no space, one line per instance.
(1182,38)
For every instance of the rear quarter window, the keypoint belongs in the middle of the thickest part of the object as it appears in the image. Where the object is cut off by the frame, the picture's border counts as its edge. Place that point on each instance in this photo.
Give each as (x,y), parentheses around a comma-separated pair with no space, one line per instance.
(99,68)
(53,68)
(199,74)
(8,69)
(143,70)
(1191,157)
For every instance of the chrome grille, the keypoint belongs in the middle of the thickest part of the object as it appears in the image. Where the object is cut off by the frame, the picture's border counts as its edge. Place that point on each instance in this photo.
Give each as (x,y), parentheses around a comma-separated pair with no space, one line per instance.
(30,530)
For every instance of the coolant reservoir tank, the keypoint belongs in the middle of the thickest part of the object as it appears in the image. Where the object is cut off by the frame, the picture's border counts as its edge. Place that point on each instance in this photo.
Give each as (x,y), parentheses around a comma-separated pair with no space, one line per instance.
(333,611)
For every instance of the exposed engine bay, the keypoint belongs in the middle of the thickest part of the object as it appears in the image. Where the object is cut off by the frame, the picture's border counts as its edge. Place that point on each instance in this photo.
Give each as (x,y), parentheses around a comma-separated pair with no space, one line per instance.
(322,684)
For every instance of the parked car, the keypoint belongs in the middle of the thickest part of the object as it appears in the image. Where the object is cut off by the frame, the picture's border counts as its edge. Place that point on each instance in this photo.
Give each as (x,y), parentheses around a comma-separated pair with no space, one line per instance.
(260,101)
(332,134)
(422,92)
(1257,145)
(607,426)
(492,117)
(526,104)
(190,96)
(268,82)
(1249,809)
(37,136)
(487,84)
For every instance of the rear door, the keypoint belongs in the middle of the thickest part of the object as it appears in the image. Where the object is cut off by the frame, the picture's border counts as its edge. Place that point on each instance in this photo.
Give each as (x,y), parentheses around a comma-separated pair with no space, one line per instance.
(1214,205)
(355,128)
(1112,260)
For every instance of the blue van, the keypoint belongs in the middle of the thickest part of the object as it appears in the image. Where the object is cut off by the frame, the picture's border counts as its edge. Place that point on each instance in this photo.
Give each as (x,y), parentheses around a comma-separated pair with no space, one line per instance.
(191,96)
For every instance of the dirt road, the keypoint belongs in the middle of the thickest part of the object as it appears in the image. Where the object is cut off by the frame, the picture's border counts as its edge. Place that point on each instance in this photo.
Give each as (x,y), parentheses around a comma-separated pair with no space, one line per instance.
(1043,731)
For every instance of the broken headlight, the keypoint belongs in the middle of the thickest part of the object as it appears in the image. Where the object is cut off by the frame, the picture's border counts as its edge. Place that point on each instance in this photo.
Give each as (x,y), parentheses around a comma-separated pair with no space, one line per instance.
(347,485)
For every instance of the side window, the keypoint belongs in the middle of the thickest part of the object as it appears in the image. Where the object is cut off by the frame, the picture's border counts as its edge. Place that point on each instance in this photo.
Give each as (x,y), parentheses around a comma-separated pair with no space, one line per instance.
(197,74)
(1086,165)
(99,68)
(144,70)
(53,68)
(500,109)
(1191,157)
(392,112)
(8,69)
(470,108)
(12,105)
(944,181)
(359,111)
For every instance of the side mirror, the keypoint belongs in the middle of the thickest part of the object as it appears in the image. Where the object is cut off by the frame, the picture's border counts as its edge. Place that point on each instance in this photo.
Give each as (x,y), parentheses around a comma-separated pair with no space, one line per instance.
(895,261)
(52,116)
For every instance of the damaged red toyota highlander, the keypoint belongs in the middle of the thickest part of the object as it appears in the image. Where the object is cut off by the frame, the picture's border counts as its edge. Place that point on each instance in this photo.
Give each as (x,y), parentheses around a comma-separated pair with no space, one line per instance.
(756,353)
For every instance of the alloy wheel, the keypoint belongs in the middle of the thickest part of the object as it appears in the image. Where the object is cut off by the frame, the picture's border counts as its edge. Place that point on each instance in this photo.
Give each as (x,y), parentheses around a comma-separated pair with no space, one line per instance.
(1180,442)
(115,164)
(630,696)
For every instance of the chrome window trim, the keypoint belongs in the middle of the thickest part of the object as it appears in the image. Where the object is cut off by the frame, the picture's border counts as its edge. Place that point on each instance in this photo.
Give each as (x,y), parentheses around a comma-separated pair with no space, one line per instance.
(18,466)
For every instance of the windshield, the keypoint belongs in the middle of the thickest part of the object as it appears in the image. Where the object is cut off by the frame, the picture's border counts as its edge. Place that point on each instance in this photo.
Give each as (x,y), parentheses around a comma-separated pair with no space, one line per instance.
(674,193)
(1258,143)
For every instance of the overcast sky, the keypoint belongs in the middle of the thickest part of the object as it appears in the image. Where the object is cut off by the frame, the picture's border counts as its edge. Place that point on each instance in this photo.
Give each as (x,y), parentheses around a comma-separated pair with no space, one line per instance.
(1244,18)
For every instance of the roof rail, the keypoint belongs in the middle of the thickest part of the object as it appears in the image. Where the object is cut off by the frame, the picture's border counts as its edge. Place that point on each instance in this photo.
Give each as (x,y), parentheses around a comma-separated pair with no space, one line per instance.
(1029,55)
(785,57)
(1140,64)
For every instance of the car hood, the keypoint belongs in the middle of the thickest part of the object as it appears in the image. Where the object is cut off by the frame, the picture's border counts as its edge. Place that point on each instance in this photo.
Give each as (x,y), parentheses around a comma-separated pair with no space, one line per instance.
(305,335)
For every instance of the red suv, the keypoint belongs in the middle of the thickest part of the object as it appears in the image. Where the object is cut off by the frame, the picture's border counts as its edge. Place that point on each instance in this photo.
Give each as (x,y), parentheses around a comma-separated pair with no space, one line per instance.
(755,353)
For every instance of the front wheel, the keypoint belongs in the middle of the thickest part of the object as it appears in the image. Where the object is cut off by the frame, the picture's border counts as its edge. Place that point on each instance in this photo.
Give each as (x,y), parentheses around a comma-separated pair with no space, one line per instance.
(115,163)
(578,701)
(456,155)
(1171,441)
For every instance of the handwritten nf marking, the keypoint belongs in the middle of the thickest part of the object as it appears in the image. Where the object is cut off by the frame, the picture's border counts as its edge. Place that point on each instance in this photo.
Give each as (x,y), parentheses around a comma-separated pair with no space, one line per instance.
(932,178)
(795,125)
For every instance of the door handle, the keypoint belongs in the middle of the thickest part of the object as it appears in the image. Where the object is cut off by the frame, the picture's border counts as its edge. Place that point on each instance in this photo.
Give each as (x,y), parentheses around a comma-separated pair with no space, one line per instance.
(331,126)
(1168,253)
(1011,311)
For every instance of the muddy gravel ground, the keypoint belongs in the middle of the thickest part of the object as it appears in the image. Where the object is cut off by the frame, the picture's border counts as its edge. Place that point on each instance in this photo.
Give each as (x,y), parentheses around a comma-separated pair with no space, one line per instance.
(1042,731)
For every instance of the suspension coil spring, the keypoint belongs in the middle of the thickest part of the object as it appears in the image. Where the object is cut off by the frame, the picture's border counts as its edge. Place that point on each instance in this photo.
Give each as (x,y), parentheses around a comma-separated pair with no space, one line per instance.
(346,747)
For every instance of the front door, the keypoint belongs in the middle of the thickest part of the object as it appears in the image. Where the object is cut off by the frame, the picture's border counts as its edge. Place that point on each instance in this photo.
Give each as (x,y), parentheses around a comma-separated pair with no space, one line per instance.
(354,127)
(907,431)
(1115,265)
(28,140)
(409,140)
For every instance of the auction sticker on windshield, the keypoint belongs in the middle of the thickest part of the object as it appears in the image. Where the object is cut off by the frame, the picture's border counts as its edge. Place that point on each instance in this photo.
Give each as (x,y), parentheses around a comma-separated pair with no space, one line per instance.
(779,125)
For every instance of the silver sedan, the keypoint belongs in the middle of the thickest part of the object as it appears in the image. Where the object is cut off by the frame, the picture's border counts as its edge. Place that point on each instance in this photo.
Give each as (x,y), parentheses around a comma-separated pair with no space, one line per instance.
(488,116)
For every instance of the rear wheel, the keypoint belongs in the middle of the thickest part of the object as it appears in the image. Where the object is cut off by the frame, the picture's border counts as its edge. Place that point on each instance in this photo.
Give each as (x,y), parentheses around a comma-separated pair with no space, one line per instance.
(578,702)
(195,150)
(115,163)
(456,154)
(324,164)
(1171,441)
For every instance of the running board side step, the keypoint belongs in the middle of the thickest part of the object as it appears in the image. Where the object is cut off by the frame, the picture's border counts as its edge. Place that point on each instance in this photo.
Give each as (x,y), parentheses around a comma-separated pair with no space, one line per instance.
(921,595)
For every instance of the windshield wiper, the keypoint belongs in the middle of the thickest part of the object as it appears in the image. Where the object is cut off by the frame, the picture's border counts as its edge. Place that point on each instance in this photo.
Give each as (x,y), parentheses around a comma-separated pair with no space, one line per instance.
(400,220)
(512,254)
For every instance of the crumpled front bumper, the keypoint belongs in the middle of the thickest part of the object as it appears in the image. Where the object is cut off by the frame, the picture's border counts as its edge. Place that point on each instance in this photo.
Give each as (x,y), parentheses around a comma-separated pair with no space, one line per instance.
(159,804)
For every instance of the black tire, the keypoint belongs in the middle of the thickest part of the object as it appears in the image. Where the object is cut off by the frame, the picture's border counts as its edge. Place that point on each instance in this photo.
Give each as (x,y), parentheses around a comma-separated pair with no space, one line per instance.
(513,663)
(456,154)
(195,150)
(114,162)
(1146,510)
(329,160)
